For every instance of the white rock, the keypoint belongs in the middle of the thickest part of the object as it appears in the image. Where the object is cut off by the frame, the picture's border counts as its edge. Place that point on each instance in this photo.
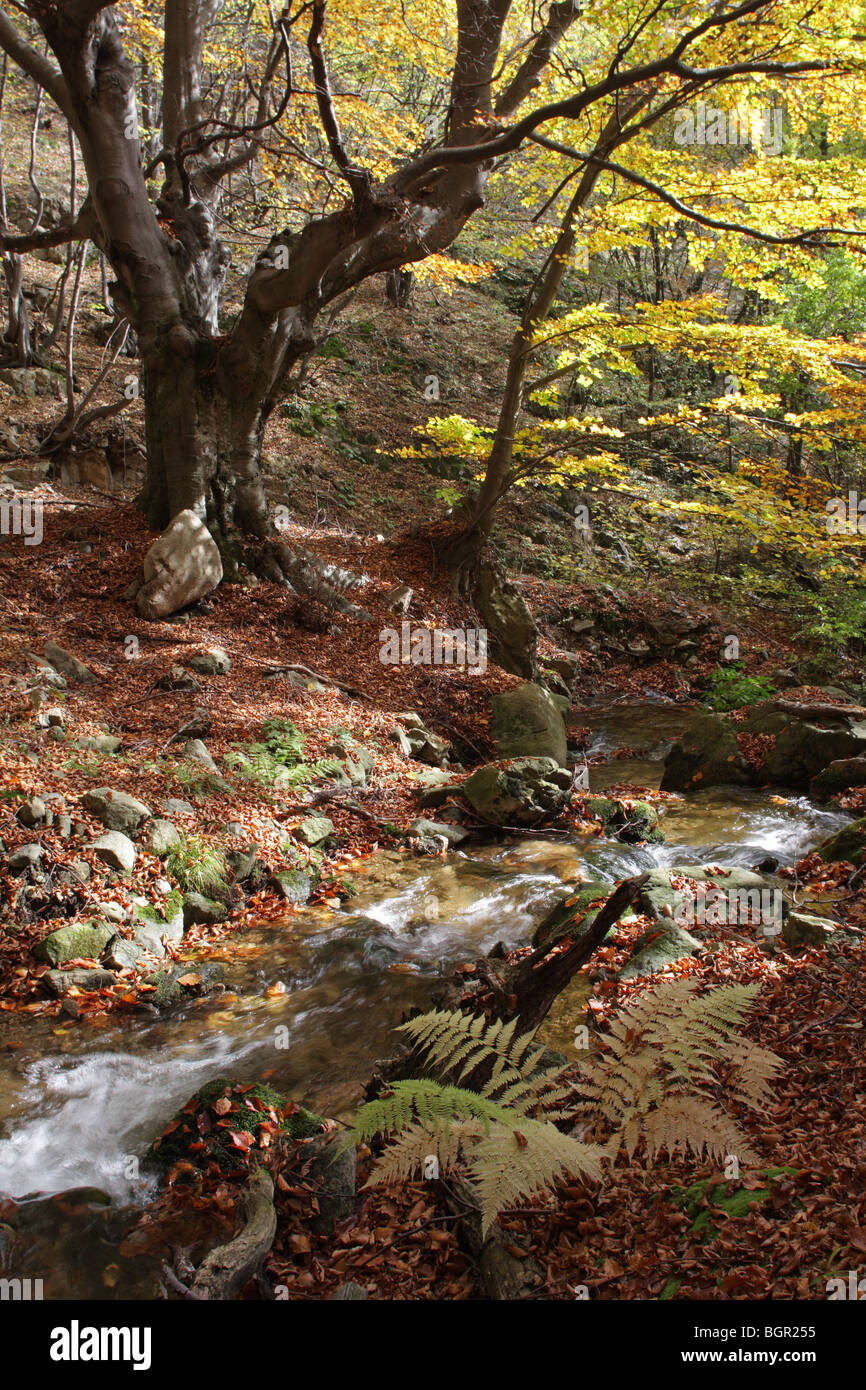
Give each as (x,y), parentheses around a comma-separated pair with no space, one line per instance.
(180,567)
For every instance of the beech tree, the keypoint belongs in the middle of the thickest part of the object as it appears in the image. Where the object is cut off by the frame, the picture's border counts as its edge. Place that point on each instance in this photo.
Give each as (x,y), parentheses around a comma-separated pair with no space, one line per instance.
(208,394)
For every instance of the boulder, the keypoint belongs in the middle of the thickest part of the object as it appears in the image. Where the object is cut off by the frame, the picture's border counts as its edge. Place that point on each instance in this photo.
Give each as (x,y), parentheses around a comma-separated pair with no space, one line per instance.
(160,836)
(32,812)
(846,846)
(117,810)
(213,662)
(802,750)
(838,777)
(293,885)
(707,755)
(511,629)
(59,982)
(632,822)
(573,915)
(78,941)
(116,850)
(802,929)
(527,722)
(181,566)
(199,910)
(199,753)
(656,950)
(313,830)
(426,829)
(522,792)
(24,857)
(69,665)
(663,902)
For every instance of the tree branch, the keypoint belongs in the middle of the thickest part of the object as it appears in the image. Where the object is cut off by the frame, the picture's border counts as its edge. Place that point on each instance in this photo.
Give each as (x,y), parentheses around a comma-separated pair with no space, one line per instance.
(34,64)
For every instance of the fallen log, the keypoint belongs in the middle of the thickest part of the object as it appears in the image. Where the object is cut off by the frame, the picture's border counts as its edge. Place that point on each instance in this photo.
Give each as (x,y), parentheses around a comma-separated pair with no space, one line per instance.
(820,710)
(225,1271)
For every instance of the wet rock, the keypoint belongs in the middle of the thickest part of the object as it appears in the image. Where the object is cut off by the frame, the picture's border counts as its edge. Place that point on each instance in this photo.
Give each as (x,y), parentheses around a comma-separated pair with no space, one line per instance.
(80,940)
(69,665)
(839,776)
(199,910)
(524,792)
(527,722)
(180,567)
(632,823)
(802,750)
(160,836)
(59,982)
(573,915)
(293,885)
(198,979)
(117,810)
(426,829)
(213,662)
(116,850)
(847,845)
(707,755)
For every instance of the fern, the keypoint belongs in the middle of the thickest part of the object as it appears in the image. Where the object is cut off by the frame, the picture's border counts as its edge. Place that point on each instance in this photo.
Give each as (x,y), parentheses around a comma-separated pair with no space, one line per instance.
(654,1077)
(654,1084)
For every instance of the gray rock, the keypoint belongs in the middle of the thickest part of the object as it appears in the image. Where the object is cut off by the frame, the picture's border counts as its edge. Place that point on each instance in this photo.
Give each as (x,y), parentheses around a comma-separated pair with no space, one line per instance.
(32,812)
(313,830)
(173,807)
(112,912)
(707,755)
(293,885)
(100,743)
(802,929)
(117,810)
(653,952)
(426,829)
(511,628)
(78,941)
(116,850)
(181,567)
(63,826)
(524,792)
(160,836)
(69,665)
(24,857)
(214,662)
(527,722)
(59,982)
(199,910)
(197,750)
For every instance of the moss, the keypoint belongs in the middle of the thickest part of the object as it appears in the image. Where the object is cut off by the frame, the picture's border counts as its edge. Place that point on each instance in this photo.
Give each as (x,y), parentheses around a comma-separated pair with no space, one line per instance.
(200,1135)
(735,1202)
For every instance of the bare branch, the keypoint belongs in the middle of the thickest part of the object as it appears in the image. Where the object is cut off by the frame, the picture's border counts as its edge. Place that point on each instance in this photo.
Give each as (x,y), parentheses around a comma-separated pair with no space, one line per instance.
(34,64)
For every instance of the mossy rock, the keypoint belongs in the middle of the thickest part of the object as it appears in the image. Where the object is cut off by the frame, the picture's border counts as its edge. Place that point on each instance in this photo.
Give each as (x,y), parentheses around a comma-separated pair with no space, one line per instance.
(80,940)
(200,1134)
(847,845)
(631,823)
(573,916)
(837,777)
(732,1201)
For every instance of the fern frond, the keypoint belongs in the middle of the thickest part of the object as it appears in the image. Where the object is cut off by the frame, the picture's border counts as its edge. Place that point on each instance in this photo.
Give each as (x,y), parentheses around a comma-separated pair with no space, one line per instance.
(511,1164)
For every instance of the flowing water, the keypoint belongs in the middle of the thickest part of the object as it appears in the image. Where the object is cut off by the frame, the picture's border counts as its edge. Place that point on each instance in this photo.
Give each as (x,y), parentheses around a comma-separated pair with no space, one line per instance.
(311,1003)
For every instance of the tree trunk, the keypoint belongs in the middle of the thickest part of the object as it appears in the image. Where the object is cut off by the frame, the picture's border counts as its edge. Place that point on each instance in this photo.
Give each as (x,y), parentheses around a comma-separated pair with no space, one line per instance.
(18,337)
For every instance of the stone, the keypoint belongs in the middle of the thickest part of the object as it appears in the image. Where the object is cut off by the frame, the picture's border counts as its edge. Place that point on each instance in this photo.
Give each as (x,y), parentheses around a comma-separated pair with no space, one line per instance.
(511,629)
(24,857)
(655,951)
(234,828)
(213,662)
(662,902)
(28,382)
(632,823)
(63,826)
(176,678)
(111,911)
(181,566)
(198,751)
(527,722)
(838,776)
(69,665)
(116,850)
(802,929)
(802,750)
(336,1176)
(572,916)
(427,829)
(397,599)
(846,846)
(199,910)
(100,743)
(313,830)
(116,810)
(59,982)
(160,836)
(293,885)
(175,807)
(707,755)
(32,812)
(524,792)
(79,941)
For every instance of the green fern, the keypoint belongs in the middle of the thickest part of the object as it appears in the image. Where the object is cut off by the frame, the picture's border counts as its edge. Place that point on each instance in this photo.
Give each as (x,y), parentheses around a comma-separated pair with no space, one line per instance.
(655,1082)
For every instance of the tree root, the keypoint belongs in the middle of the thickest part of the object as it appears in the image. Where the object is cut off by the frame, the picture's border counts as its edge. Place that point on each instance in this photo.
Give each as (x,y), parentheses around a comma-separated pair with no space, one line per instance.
(225,1271)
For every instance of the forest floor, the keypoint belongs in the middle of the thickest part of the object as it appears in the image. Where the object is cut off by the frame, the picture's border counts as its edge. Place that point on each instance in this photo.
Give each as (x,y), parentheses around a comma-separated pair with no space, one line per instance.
(334,462)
